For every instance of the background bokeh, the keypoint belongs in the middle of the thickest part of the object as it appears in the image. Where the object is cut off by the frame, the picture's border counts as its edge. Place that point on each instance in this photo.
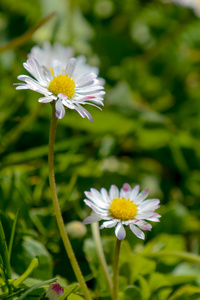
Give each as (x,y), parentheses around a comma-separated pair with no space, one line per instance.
(148,133)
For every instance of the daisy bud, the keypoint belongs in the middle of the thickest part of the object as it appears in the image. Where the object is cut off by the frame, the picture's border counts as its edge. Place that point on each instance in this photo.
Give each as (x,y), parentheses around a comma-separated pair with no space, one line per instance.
(54,291)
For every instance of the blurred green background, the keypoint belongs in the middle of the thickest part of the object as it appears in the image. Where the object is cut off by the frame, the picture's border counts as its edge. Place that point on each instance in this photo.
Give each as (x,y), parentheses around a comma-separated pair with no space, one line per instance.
(148,133)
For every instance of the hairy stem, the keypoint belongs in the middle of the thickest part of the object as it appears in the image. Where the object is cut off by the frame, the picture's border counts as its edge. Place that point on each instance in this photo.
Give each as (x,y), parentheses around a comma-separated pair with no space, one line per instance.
(100,253)
(57,210)
(116,270)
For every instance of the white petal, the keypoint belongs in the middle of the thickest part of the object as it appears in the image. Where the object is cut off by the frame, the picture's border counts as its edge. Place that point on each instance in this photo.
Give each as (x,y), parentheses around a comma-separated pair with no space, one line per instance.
(105,196)
(36,86)
(141,196)
(65,101)
(90,100)
(143,225)
(23,86)
(95,194)
(57,67)
(33,67)
(120,232)
(125,191)
(96,208)
(47,73)
(71,67)
(87,114)
(113,192)
(45,99)
(109,224)
(148,215)
(60,110)
(97,201)
(84,102)
(137,232)
(86,79)
(150,204)
(23,77)
(95,93)
(62,96)
(89,88)
(91,219)
(154,218)
(83,112)
(134,192)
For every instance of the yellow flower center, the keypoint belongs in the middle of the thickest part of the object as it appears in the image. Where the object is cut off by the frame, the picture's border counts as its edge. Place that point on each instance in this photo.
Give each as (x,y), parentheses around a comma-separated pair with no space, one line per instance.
(123,209)
(62,84)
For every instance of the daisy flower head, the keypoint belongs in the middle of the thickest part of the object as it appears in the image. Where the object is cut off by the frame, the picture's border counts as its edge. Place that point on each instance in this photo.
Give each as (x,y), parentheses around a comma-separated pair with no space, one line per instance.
(46,54)
(193,4)
(122,208)
(62,79)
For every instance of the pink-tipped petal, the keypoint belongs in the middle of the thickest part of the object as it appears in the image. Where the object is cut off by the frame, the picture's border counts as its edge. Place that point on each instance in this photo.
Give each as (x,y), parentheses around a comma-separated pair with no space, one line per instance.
(137,232)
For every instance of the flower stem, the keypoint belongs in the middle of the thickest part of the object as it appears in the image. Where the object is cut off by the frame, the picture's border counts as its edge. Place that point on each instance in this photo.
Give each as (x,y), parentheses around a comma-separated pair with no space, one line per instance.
(100,253)
(116,270)
(57,210)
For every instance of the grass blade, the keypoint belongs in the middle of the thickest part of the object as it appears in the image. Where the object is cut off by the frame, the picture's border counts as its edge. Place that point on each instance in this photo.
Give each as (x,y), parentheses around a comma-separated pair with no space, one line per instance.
(27,35)
(4,253)
(5,256)
(12,235)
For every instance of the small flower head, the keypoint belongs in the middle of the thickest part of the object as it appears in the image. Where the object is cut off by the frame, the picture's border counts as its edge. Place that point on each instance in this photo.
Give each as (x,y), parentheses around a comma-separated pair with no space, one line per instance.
(54,291)
(119,209)
(63,79)
(193,4)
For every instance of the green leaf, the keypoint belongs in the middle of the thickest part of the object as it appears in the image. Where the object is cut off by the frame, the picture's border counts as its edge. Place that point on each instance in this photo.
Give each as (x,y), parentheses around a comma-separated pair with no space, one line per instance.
(28,249)
(132,292)
(30,290)
(74,297)
(180,255)
(177,280)
(157,281)
(186,292)
(164,242)
(29,282)
(141,265)
(144,287)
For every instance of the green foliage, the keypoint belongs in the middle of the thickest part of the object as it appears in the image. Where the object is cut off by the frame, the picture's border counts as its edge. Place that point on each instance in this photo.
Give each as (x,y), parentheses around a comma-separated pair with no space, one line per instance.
(148,133)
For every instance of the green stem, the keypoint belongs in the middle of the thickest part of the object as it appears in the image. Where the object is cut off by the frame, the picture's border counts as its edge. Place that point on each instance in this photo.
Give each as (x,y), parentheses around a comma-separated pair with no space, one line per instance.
(57,210)
(116,270)
(100,253)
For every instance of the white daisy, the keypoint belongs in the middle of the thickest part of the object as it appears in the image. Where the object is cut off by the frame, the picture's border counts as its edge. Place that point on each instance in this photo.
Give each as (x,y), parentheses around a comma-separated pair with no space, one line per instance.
(70,82)
(48,53)
(126,207)
(193,4)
